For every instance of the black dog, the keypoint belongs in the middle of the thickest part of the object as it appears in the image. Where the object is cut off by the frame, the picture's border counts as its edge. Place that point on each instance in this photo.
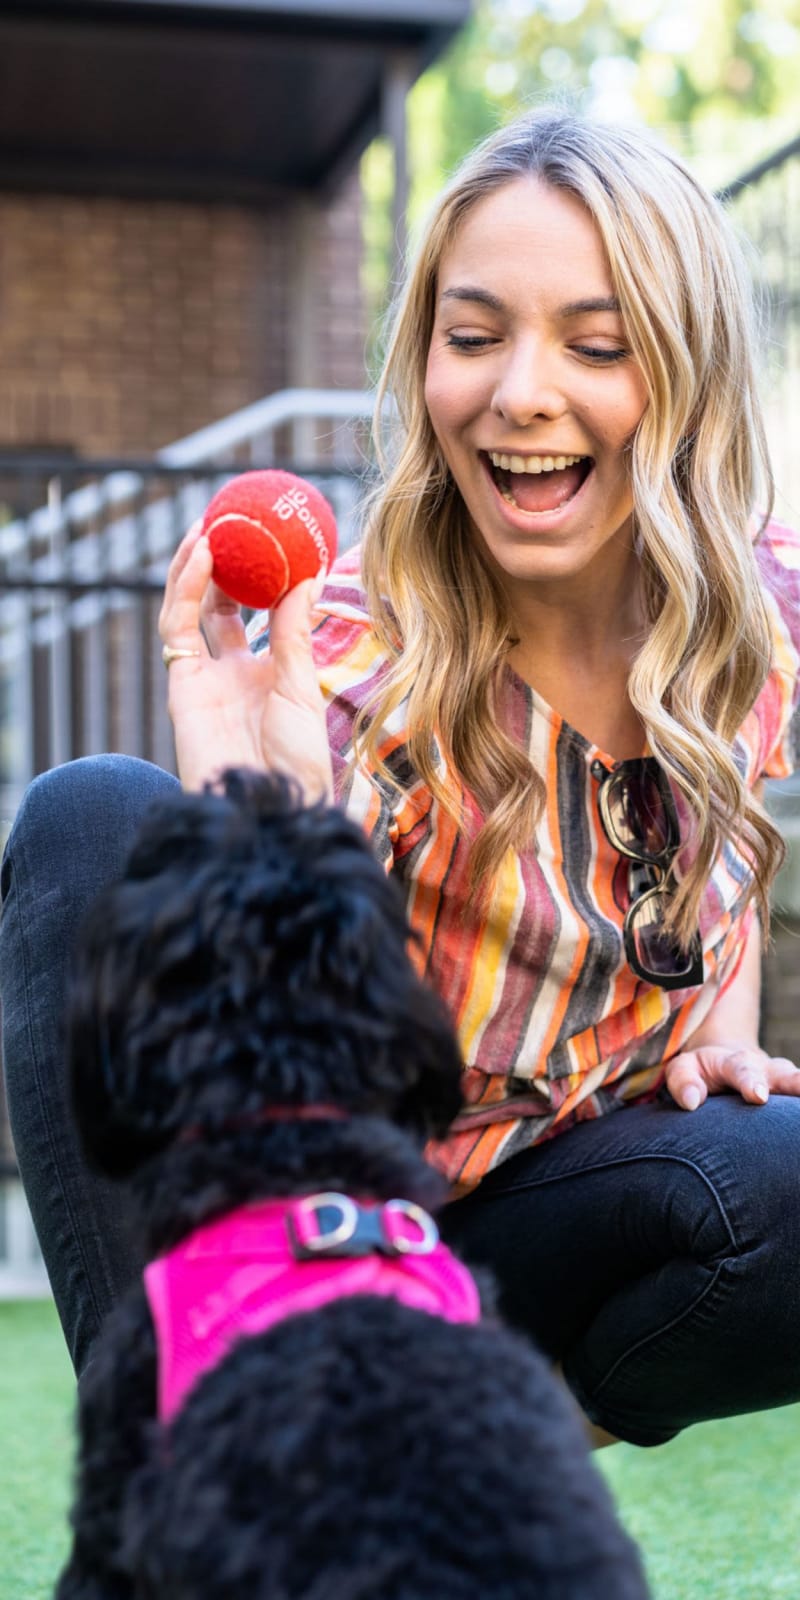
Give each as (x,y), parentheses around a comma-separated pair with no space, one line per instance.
(246,1030)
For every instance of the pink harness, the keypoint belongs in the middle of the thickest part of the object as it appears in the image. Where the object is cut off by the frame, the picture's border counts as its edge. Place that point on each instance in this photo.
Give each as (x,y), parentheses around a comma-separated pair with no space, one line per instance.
(246,1271)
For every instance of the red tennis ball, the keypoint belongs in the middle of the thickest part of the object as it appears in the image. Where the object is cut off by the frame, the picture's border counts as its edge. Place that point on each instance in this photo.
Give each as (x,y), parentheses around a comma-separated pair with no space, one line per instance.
(268,531)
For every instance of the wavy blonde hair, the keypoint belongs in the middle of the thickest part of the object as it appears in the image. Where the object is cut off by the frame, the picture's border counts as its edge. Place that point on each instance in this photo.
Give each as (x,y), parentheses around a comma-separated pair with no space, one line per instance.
(698,461)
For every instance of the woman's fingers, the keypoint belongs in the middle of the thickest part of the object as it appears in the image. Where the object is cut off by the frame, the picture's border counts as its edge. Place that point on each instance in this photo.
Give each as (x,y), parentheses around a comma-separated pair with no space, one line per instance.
(190,588)
(195,606)
(297,734)
(685,1081)
(746,1072)
(290,644)
(712,1069)
(755,1075)
(783,1076)
(221,622)
(179,621)
(177,564)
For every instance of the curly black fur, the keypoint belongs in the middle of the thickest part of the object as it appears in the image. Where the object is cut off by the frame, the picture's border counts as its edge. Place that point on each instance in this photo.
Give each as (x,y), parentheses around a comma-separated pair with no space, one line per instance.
(255,957)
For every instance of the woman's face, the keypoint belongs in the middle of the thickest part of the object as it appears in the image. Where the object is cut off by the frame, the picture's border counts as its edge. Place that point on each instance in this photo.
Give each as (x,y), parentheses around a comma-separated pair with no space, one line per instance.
(531,388)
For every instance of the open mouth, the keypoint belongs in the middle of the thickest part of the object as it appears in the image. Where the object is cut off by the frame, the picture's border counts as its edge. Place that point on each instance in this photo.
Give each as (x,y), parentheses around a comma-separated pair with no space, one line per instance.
(538,483)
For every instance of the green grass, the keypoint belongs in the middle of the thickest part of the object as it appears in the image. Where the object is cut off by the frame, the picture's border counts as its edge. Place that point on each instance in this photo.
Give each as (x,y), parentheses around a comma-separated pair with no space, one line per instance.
(717,1512)
(36,1402)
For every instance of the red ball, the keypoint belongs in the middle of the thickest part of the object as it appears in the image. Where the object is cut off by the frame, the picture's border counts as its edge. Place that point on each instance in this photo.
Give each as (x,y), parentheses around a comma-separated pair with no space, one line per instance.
(268,531)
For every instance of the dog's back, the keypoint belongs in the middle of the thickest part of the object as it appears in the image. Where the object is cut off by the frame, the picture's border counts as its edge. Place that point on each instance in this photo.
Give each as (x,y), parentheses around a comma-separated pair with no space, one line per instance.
(370,1450)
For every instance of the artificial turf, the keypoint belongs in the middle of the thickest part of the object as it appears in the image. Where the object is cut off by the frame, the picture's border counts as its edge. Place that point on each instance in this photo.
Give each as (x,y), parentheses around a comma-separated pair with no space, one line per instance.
(717,1512)
(36,1403)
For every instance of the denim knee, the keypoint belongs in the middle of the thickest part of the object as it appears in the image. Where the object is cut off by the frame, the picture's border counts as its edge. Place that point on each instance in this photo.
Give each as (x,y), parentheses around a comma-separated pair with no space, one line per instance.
(653,1252)
(714,1331)
(83,814)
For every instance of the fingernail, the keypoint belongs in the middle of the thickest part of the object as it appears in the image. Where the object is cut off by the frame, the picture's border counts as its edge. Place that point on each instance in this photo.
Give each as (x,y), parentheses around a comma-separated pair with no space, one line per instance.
(690,1099)
(318,585)
(760,1092)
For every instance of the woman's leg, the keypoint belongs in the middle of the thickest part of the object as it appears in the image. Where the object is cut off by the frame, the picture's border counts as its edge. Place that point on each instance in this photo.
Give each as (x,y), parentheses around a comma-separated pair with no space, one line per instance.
(653,1253)
(70,837)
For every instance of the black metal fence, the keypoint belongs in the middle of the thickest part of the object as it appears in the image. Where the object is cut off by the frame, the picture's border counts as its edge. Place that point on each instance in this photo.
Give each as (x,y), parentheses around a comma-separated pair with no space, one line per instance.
(83,558)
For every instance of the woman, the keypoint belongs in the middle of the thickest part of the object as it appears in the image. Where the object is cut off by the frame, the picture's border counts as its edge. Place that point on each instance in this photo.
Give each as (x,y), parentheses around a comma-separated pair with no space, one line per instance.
(549,687)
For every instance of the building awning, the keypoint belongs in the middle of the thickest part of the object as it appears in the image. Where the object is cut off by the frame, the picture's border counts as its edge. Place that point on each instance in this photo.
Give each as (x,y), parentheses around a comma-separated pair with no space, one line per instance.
(197,99)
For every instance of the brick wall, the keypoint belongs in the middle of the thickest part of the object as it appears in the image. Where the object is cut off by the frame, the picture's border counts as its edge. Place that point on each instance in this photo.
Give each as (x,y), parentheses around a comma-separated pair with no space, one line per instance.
(340,329)
(125,324)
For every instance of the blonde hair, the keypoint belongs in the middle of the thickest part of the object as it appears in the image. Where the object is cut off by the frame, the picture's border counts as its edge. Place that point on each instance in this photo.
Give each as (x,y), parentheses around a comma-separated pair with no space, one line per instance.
(698,461)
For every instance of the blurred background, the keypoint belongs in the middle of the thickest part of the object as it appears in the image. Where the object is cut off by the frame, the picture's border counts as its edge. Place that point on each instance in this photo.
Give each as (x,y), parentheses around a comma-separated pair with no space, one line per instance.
(204,209)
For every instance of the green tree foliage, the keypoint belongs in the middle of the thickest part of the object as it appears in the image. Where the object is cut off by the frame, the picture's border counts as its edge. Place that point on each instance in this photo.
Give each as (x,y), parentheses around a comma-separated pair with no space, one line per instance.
(682,62)
(717,77)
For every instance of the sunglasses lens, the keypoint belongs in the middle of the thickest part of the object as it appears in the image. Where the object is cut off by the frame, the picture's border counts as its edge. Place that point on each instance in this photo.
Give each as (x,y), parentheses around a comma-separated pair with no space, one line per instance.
(655,950)
(637,812)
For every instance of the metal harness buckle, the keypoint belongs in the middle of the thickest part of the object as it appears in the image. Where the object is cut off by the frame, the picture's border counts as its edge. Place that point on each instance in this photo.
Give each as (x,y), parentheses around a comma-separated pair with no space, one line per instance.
(332,1226)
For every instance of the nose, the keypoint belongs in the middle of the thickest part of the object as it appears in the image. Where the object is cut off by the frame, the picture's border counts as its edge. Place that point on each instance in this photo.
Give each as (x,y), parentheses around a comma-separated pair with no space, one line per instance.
(528,386)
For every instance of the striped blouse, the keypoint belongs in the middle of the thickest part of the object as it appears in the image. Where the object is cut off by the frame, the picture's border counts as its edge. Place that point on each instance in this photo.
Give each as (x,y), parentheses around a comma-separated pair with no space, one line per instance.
(554,1026)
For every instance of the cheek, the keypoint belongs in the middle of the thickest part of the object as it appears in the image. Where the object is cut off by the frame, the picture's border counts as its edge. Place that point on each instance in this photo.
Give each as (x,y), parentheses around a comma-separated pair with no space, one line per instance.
(439,397)
(451,396)
(621,418)
(633,404)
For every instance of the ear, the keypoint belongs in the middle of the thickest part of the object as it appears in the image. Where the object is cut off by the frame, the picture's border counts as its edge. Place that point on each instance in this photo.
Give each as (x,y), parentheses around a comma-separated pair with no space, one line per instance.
(434,1073)
(397,1032)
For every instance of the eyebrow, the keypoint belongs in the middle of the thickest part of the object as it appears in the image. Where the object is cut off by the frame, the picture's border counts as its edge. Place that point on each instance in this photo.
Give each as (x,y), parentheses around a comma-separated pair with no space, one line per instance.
(482,297)
(574,308)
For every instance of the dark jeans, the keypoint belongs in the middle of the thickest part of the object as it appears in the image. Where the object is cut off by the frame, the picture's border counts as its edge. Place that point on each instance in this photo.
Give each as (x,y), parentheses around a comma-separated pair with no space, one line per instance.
(653,1252)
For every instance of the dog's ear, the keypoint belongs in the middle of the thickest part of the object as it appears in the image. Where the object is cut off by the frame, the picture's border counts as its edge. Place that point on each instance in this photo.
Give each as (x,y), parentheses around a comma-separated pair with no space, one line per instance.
(360,1024)
(397,1052)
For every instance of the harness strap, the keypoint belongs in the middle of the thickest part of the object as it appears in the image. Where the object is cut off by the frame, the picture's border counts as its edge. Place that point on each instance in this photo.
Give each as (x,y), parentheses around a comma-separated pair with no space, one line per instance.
(243,1273)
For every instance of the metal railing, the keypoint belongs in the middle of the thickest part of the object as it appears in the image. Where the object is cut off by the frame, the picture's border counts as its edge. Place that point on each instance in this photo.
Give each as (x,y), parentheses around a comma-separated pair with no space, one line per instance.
(81,575)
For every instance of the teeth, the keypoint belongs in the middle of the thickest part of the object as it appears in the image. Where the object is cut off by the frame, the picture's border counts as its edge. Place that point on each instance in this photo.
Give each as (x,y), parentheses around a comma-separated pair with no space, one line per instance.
(533,464)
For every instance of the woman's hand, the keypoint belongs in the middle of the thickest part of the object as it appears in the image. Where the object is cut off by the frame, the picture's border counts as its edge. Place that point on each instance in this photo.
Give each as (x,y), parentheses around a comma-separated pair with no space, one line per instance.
(723,1053)
(228,706)
(713,1068)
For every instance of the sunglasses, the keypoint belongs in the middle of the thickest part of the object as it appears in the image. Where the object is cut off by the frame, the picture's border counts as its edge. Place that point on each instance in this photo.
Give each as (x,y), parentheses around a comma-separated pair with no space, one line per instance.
(639,820)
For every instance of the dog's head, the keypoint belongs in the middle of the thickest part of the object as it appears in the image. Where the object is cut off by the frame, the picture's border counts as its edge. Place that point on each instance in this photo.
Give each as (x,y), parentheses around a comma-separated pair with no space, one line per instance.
(253,956)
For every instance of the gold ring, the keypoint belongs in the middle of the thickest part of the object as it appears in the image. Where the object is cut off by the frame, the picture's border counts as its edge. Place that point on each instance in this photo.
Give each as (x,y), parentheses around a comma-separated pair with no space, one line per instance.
(170,654)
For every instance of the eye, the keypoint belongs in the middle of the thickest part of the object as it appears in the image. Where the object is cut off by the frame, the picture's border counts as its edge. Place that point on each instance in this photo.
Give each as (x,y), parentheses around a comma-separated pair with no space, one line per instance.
(603,356)
(469,341)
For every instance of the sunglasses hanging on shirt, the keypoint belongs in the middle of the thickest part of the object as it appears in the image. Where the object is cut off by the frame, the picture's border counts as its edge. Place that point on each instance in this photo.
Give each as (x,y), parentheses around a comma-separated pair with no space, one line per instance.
(637,811)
